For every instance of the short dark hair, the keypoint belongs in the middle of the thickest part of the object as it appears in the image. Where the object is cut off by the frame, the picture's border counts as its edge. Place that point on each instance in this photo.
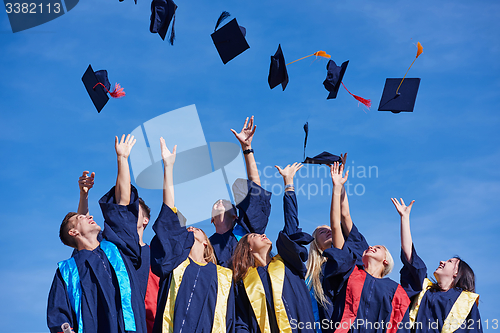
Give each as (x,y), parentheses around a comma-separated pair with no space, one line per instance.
(64,231)
(145,209)
(465,278)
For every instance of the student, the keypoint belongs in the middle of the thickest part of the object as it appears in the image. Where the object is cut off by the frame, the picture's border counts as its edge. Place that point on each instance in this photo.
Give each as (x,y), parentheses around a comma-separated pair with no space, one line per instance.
(195,294)
(271,293)
(97,289)
(362,299)
(253,202)
(148,281)
(447,305)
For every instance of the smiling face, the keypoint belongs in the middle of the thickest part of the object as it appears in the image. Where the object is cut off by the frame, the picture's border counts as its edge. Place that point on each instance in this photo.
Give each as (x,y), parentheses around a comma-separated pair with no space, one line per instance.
(259,242)
(447,269)
(377,253)
(323,237)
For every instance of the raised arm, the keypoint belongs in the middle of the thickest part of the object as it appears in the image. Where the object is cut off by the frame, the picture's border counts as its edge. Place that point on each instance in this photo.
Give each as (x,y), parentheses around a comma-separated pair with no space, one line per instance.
(290,206)
(404,212)
(344,206)
(122,188)
(168,178)
(85,182)
(335,215)
(245,138)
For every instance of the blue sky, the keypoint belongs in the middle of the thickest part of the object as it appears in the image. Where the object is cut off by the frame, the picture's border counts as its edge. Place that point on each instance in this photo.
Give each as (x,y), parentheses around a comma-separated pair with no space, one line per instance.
(445,154)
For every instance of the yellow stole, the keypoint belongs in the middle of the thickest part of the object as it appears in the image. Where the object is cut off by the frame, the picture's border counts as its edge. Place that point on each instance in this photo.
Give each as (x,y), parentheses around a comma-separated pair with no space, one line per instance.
(224,279)
(257,295)
(458,313)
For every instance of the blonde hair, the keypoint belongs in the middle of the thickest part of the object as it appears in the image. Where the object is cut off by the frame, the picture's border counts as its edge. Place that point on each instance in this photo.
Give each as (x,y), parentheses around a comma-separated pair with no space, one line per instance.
(390,262)
(315,262)
(208,252)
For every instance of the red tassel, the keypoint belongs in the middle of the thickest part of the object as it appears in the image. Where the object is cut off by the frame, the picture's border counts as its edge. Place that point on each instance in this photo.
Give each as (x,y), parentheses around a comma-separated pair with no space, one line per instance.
(118,92)
(366,102)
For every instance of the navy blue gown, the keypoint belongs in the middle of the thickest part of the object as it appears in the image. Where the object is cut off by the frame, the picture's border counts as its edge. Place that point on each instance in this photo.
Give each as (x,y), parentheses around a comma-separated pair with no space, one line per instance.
(295,294)
(372,303)
(197,294)
(435,305)
(101,305)
(253,216)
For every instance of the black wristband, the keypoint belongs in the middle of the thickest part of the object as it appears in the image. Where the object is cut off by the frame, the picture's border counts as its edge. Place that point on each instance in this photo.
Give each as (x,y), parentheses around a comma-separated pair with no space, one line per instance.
(248,151)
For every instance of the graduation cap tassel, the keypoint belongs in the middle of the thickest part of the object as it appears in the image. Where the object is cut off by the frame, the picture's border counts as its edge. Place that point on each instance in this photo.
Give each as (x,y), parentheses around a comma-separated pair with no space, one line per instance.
(224,15)
(420,49)
(365,101)
(117,93)
(317,54)
(172,33)
(306,129)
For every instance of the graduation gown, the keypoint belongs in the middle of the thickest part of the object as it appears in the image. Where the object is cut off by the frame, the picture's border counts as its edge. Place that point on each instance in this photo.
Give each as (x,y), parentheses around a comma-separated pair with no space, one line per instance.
(371,304)
(435,307)
(292,312)
(150,286)
(101,304)
(189,291)
(253,216)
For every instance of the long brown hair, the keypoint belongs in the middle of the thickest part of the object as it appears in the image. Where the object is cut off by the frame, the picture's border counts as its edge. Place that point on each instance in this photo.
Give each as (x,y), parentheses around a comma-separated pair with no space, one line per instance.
(465,279)
(242,259)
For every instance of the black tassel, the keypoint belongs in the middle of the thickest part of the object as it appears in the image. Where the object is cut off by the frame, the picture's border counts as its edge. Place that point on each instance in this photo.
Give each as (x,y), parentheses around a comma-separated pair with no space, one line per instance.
(224,15)
(172,33)
(306,129)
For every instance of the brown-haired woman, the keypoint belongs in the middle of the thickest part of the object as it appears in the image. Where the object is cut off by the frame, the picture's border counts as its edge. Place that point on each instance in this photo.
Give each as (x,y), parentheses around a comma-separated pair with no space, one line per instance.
(195,294)
(271,295)
(446,305)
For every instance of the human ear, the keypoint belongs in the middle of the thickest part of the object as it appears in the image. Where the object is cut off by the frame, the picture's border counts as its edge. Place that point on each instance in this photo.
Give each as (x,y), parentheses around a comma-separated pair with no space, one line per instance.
(73,232)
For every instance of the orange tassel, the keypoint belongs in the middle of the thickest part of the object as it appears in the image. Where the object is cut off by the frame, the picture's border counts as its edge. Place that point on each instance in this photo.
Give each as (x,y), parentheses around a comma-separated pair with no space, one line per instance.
(367,102)
(322,54)
(317,54)
(118,92)
(420,49)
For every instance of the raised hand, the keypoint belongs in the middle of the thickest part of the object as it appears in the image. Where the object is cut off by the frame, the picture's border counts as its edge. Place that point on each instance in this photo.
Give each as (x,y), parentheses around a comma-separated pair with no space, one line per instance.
(336,173)
(402,209)
(289,172)
(124,146)
(167,156)
(246,135)
(86,182)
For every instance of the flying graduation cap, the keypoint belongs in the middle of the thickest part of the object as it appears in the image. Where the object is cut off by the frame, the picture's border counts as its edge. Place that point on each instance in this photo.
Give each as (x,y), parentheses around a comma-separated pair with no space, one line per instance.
(162,13)
(277,71)
(97,85)
(333,81)
(400,94)
(230,39)
(323,158)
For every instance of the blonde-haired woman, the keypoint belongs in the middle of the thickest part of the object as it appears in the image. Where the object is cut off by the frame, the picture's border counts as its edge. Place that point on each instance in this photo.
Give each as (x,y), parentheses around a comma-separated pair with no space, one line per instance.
(195,294)
(356,295)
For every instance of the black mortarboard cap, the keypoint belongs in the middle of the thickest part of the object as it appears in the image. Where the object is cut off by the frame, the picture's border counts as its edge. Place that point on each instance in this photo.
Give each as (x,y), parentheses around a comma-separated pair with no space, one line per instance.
(229,40)
(404,100)
(323,158)
(277,70)
(334,77)
(162,12)
(97,92)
